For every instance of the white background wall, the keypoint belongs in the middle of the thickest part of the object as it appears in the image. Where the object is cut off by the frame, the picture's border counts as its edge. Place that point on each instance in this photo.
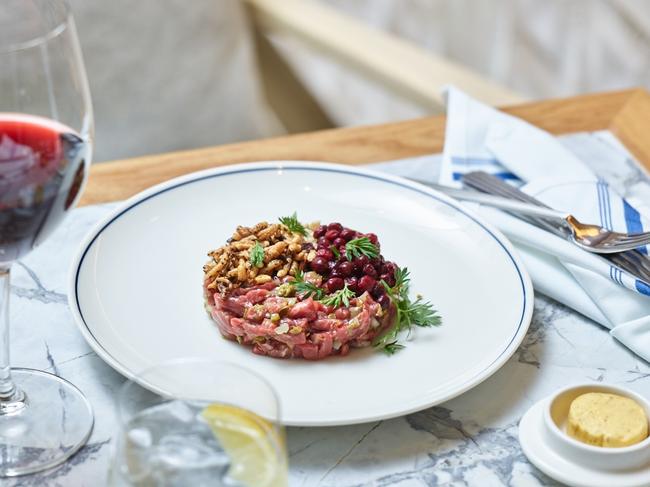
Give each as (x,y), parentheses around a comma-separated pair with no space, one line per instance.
(174,74)
(539,48)
(169,74)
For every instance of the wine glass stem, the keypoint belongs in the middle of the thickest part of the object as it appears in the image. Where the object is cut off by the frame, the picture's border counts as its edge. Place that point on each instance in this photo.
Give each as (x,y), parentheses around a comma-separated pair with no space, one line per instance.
(7,388)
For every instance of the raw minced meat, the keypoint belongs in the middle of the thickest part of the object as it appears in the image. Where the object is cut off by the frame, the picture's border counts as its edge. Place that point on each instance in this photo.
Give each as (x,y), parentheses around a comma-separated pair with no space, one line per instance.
(286,327)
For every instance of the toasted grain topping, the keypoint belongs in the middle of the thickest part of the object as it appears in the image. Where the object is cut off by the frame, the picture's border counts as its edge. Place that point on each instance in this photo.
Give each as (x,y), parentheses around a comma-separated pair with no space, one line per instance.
(274,251)
(284,253)
(263,278)
(241,271)
(275,264)
(269,232)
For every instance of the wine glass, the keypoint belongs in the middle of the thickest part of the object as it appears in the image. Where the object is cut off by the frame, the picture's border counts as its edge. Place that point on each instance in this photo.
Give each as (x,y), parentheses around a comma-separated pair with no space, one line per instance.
(207,423)
(46,130)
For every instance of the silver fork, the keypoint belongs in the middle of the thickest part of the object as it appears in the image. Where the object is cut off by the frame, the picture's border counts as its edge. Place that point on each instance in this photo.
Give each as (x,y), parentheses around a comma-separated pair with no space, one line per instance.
(631,261)
(592,238)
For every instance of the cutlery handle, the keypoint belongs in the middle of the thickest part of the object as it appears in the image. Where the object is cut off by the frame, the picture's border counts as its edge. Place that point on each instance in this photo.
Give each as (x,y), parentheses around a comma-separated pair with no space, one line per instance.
(631,261)
(487,183)
(502,203)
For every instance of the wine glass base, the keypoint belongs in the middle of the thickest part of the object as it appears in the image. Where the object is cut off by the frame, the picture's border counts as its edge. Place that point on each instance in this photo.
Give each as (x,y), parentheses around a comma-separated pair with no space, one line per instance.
(54,424)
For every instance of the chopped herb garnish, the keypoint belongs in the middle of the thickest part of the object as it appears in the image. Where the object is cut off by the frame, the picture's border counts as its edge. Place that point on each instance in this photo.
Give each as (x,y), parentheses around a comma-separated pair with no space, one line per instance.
(339,298)
(409,312)
(361,246)
(335,251)
(292,223)
(256,255)
(305,288)
(392,348)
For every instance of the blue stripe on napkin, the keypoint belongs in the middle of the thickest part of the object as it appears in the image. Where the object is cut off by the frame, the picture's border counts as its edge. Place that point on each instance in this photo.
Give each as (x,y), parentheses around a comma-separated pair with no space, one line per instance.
(633,222)
(642,287)
(502,175)
(608,206)
(604,205)
(616,275)
(601,208)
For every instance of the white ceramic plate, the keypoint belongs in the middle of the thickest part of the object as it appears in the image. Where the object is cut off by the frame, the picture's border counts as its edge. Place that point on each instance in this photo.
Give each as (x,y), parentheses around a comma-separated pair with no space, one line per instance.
(136,292)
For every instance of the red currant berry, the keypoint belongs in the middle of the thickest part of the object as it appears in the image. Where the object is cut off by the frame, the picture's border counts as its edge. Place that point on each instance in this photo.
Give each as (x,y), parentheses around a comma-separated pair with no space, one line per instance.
(335,272)
(332,235)
(325,253)
(320,265)
(369,270)
(338,242)
(323,242)
(362,260)
(320,231)
(335,226)
(345,268)
(333,284)
(366,283)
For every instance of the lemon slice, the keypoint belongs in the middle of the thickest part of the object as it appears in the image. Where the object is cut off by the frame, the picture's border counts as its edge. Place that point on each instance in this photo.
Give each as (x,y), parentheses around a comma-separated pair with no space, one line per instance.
(252,443)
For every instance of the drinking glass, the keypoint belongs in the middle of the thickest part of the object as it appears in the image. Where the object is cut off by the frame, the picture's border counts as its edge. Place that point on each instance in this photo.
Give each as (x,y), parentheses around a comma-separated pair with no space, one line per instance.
(46,131)
(198,422)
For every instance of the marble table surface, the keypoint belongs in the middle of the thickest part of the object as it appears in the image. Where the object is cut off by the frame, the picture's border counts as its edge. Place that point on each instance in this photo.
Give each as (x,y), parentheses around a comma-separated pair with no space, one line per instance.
(468,441)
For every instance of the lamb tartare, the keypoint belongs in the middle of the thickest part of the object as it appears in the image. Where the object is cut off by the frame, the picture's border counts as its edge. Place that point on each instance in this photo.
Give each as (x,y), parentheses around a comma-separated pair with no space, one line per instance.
(290,290)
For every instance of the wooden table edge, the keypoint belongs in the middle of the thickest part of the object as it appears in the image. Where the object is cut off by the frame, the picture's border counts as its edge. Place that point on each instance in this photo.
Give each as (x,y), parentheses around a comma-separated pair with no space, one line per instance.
(626,113)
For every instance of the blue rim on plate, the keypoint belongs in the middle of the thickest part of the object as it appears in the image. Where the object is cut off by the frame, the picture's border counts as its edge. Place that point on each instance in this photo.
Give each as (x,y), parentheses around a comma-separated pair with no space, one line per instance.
(95,233)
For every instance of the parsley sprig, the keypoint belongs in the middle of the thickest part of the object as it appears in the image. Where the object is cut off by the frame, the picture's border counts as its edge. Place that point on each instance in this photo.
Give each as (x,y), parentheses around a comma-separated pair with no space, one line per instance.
(361,246)
(292,223)
(339,298)
(256,255)
(409,313)
(392,348)
(306,288)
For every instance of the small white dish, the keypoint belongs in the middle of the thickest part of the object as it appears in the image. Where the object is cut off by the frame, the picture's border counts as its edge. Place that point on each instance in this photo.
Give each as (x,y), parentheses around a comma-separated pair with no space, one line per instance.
(547,446)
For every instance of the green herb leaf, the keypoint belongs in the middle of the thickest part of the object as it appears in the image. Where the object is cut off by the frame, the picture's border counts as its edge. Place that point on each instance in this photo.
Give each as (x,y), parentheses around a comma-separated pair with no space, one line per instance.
(335,251)
(292,223)
(409,313)
(392,348)
(361,246)
(305,288)
(402,282)
(339,298)
(256,255)
(420,313)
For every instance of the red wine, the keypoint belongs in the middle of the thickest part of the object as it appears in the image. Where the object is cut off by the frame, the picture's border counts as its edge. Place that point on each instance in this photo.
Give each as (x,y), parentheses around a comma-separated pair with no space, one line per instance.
(42,168)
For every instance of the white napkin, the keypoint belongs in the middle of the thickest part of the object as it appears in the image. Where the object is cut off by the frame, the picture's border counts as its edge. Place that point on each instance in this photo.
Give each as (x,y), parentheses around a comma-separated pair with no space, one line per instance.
(479,137)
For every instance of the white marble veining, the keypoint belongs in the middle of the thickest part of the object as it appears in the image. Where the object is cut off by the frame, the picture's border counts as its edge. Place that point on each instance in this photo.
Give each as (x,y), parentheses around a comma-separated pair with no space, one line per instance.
(468,441)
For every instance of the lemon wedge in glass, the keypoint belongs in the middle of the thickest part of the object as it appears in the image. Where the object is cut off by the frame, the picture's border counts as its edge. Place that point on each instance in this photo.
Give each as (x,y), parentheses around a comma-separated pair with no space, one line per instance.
(256,448)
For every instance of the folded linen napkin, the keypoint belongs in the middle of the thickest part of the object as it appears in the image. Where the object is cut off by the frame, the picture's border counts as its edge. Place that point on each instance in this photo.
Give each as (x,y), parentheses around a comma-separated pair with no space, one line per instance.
(479,137)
